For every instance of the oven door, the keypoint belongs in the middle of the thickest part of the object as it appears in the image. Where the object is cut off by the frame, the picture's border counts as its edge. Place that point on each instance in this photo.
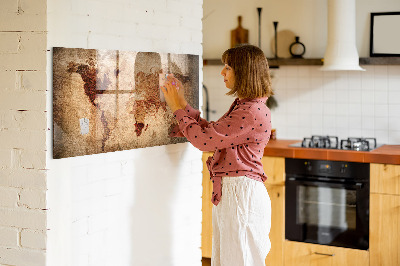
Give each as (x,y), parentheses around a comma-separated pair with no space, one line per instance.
(327,213)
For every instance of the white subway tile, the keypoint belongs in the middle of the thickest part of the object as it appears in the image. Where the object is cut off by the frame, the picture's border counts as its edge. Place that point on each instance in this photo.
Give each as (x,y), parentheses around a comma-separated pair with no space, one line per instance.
(355,132)
(368,123)
(382,123)
(304,73)
(394,137)
(394,123)
(394,83)
(380,84)
(394,97)
(342,122)
(329,109)
(381,110)
(355,96)
(367,96)
(329,92)
(394,70)
(367,82)
(380,71)
(368,110)
(394,110)
(381,97)
(342,97)
(329,123)
(355,122)
(291,71)
(382,136)
(342,80)
(342,109)
(328,74)
(354,80)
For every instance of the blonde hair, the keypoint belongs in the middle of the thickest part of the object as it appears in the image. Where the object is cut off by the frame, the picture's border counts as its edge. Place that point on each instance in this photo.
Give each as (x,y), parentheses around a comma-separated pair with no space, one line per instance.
(250,66)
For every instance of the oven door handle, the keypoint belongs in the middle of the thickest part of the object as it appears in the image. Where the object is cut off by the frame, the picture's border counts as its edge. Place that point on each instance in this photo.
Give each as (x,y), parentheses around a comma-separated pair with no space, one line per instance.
(352,185)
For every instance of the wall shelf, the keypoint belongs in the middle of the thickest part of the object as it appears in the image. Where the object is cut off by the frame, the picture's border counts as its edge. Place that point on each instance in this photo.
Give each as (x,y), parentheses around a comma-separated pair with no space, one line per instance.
(274,63)
(380,61)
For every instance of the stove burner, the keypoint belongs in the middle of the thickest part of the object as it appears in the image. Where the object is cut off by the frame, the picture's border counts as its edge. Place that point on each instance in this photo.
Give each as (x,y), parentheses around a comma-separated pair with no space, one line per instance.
(332,142)
(358,144)
(328,142)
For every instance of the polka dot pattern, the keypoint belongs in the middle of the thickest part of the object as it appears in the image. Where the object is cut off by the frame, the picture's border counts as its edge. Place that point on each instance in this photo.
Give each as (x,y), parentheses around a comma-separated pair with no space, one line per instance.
(238,139)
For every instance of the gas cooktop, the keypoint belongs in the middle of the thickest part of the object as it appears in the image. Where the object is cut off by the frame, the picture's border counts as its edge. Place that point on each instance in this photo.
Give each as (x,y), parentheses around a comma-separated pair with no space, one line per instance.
(332,142)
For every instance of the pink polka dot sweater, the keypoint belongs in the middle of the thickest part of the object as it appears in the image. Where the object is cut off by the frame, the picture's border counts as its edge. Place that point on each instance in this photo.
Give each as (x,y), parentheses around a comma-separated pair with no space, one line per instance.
(238,139)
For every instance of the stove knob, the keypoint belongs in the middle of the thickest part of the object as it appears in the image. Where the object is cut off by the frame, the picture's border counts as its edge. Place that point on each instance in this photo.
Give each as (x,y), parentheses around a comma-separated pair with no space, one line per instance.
(308,166)
(343,168)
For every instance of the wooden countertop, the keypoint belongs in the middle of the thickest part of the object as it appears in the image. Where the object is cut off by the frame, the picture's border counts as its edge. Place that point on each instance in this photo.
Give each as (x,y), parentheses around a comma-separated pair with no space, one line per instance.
(389,154)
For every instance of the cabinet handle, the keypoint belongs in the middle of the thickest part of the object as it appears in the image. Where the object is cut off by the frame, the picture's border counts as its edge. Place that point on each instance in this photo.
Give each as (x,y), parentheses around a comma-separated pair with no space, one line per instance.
(324,254)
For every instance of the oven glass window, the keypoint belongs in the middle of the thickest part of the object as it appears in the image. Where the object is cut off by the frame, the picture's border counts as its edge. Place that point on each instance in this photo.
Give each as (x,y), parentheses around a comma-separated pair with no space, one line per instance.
(326,207)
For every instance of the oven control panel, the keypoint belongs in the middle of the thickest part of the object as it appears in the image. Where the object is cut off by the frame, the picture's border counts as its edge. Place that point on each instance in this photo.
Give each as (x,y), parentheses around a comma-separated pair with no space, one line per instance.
(338,169)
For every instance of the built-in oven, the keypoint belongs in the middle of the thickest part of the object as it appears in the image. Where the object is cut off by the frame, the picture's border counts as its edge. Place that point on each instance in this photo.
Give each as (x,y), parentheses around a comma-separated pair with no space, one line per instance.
(327,202)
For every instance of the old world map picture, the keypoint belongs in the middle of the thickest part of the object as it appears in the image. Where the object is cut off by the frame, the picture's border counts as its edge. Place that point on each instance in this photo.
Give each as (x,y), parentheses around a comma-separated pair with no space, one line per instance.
(110,100)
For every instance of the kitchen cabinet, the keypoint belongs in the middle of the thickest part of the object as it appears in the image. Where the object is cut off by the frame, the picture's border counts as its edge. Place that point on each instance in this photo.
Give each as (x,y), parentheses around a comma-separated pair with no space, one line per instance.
(385,214)
(274,168)
(206,225)
(305,254)
(385,178)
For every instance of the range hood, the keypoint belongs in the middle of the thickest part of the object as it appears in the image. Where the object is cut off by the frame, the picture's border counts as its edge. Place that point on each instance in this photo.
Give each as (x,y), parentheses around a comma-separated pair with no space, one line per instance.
(341,51)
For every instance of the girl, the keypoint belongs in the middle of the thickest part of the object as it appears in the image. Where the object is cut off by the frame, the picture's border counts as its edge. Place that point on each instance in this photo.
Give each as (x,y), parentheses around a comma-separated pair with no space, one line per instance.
(242,209)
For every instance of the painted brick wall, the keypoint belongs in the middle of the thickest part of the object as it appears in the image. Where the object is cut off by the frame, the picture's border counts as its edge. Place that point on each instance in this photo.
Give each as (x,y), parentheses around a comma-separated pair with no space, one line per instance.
(23,132)
(137,207)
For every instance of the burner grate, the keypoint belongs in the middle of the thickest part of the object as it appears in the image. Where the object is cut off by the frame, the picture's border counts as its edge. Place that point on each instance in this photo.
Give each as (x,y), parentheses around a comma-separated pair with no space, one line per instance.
(358,144)
(327,142)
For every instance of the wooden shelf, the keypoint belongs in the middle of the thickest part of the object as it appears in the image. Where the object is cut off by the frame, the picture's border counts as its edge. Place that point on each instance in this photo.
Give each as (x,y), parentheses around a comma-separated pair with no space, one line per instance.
(273,62)
(380,61)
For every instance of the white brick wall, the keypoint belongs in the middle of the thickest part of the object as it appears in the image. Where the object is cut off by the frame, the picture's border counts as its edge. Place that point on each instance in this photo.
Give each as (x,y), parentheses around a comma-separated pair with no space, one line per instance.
(23,132)
(137,207)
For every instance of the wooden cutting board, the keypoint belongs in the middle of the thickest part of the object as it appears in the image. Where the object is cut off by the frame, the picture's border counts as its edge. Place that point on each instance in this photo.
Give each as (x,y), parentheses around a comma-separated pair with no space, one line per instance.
(239,35)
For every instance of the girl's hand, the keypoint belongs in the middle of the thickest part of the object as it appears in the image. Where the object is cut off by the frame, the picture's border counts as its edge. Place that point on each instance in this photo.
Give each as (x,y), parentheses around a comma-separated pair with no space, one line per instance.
(174,96)
(181,92)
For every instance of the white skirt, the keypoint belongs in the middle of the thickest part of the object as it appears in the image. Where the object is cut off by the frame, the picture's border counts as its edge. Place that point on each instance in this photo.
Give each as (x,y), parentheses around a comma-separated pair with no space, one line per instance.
(241,223)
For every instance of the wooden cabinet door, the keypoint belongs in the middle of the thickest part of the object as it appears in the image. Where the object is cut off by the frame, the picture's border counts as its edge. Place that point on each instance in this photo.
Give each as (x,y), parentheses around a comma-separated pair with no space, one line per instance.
(385,178)
(274,168)
(206,226)
(277,233)
(384,236)
(304,254)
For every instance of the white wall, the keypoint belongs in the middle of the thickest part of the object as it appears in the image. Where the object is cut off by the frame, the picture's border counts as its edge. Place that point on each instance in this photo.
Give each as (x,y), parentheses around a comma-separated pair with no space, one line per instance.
(311,102)
(305,18)
(23,133)
(136,207)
